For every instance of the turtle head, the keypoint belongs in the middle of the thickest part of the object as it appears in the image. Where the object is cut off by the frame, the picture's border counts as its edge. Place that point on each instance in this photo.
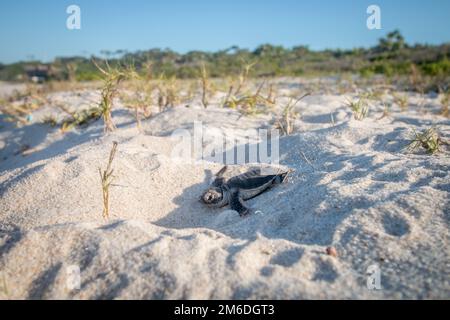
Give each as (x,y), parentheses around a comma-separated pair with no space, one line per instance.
(212,196)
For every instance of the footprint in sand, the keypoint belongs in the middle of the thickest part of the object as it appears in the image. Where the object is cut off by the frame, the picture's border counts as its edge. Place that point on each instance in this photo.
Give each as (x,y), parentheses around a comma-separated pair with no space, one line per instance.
(395,225)
(325,271)
(288,257)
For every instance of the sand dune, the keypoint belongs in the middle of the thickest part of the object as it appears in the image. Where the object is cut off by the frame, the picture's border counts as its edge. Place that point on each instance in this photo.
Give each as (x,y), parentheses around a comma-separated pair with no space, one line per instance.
(353,187)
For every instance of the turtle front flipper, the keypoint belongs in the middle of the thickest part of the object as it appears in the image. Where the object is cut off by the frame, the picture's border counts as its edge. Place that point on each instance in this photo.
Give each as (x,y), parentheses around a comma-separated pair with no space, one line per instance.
(237,204)
(220,180)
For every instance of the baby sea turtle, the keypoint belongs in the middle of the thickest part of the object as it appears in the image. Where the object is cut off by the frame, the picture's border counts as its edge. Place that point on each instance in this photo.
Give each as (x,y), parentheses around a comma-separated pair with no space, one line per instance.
(236,189)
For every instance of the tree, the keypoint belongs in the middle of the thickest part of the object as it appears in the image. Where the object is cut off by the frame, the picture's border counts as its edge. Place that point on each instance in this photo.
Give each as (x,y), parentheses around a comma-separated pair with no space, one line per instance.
(394,41)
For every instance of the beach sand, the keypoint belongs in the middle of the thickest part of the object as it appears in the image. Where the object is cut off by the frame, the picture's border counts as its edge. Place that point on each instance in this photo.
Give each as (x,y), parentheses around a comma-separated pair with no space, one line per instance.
(353,188)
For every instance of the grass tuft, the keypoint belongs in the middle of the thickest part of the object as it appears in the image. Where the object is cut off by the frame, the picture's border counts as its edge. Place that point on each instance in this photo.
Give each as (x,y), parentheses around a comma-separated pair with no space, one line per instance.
(359,108)
(140,99)
(247,104)
(386,111)
(50,120)
(80,118)
(168,90)
(402,101)
(285,121)
(428,139)
(243,76)
(111,80)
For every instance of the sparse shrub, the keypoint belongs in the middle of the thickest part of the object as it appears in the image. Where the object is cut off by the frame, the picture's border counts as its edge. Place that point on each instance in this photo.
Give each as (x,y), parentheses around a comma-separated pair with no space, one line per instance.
(285,122)
(384,68)
(243,76)
(416,78)
(168,92)
(111,80)
(247,104)
(367,72)
(81,117)
(360,108)
(402,101)
(438,68)
(50,120)
(140,100)
(172,93)
(376,95)
(429,139)
(386,111)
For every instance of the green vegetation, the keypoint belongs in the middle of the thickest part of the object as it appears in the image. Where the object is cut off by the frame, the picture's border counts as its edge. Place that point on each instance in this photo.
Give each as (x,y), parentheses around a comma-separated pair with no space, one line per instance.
(248,103)
(359,108)
(386,111)
(20,105)
(111,78)
(168,92)
(429,139)
(426,66)
(138,97)
(285,122)
(401,101)
(79,118)
(50,120)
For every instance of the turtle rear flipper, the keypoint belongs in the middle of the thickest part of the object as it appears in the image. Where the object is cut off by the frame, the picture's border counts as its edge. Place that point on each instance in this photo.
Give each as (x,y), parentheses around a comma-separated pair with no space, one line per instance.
(238,204)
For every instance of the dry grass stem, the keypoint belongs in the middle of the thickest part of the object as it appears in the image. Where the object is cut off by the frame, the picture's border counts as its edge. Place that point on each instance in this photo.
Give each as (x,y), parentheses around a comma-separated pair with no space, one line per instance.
(106,179)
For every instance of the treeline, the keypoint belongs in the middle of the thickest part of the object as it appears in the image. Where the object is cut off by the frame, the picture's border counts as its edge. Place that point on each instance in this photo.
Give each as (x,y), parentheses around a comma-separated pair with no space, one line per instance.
(391,56)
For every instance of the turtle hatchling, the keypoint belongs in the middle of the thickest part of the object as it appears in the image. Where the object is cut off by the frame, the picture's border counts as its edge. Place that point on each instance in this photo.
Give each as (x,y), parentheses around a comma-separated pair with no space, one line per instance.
(236,189)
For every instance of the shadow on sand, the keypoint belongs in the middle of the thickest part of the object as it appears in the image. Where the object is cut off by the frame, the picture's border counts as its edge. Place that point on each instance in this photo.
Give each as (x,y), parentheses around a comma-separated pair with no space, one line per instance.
(19,145)
(306,210)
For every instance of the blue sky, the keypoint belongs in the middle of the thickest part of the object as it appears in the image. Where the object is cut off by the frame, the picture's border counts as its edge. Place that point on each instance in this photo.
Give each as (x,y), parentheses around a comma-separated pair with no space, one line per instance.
(32,28)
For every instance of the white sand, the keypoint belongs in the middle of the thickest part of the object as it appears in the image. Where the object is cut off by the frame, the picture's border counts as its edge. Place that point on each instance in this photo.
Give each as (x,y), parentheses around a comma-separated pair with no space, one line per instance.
(358,191)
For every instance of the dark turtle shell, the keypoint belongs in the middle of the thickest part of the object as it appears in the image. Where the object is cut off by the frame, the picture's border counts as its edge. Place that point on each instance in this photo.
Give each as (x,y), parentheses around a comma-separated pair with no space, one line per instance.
(252,183)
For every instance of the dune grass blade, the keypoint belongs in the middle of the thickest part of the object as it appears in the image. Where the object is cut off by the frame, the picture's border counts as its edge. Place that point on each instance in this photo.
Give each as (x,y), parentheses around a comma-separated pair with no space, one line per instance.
(106,179)
(445,102)
(205,85)
(243,76)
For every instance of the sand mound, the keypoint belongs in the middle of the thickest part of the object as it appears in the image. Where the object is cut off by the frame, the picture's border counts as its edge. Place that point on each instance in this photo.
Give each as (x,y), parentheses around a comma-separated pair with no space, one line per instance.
(353,188)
